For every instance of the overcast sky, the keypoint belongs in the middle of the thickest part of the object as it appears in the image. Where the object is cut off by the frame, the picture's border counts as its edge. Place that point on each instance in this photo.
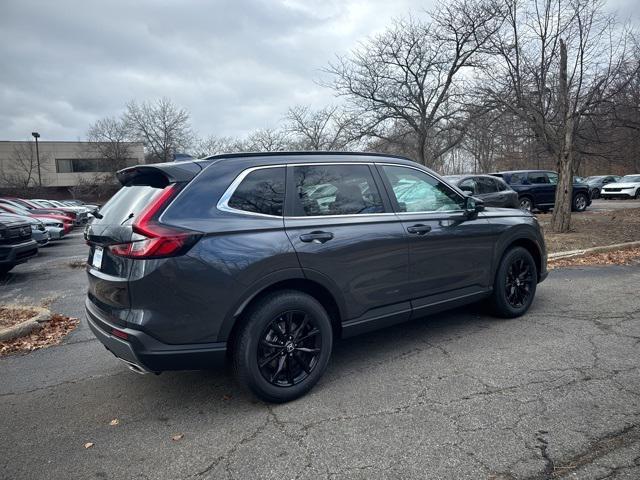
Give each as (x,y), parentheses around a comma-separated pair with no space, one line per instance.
(235,65)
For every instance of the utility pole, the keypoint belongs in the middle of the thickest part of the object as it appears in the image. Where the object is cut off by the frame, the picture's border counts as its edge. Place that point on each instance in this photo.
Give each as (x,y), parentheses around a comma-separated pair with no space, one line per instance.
(36,135)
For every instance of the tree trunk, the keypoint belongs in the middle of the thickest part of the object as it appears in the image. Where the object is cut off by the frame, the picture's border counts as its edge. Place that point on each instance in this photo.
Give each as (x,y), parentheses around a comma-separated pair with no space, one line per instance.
(561,219)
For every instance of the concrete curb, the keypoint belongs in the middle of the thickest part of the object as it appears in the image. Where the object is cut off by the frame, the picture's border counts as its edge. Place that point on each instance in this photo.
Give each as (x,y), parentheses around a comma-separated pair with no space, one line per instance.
(587,251)
(26,327)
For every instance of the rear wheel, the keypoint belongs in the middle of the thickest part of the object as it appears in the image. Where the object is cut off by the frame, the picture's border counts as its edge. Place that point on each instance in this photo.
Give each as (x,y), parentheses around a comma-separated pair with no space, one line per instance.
(526,204)
(515,283)
(284,346)
(580,202)
(637,194)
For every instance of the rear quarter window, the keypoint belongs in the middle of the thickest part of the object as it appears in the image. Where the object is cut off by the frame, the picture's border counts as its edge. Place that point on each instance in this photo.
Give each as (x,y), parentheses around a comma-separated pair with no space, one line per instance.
(261,191)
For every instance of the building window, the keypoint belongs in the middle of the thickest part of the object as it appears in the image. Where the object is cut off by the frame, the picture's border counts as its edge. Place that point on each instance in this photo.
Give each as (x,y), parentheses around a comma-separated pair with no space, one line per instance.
(91,165)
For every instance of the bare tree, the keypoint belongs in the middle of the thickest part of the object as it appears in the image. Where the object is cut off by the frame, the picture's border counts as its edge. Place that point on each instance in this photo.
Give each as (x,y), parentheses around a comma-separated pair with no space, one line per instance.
(212,145)
(555,62)
(21,168)
(328,128)
(408,80)
(109,140)
(161,126)
(267,140)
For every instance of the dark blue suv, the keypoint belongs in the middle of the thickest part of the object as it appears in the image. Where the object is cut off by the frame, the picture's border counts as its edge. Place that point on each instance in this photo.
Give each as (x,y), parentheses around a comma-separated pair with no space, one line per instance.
(537,189)
(267,258)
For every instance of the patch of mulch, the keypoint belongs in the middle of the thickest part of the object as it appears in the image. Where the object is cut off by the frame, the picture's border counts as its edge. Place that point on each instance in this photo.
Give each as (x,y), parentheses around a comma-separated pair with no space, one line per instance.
(593,229)
(618,257)
(51,333)
(13,316)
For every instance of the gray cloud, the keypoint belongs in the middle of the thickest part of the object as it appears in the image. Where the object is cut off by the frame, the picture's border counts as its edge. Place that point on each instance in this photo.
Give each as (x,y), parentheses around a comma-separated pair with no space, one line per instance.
(236,66)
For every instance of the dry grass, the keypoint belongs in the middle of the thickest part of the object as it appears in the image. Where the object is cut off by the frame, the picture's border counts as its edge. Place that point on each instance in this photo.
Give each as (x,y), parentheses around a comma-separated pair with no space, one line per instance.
(619,257)
(593,229)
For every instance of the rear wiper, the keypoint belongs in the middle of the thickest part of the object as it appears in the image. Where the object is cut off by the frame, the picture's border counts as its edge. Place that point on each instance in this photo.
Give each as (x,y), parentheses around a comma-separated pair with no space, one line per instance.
(96,214)
(127,219)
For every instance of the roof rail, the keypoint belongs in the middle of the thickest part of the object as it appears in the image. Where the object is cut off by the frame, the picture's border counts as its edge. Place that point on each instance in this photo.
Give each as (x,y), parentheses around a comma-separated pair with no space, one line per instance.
(301,152)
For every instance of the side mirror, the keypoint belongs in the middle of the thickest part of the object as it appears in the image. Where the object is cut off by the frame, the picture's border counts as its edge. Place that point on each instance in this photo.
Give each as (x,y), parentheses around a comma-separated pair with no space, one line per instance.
(473,206)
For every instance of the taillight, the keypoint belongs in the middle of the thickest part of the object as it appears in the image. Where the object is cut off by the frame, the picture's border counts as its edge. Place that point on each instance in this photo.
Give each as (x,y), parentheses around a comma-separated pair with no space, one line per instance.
(152,239)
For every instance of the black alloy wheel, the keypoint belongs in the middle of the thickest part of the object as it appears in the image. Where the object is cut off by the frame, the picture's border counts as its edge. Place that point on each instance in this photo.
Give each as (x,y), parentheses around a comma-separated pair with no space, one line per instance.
(515,283)
(283,345)
(289,348)
(518,284)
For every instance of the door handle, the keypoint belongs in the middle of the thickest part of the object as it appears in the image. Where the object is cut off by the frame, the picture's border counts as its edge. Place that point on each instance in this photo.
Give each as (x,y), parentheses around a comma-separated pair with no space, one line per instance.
(419,229)
(316,237)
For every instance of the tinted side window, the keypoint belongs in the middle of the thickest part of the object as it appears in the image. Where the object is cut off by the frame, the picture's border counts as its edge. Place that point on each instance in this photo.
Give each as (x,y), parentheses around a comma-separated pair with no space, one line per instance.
(538,178)
(261,191)
(553,178)
(415,191)
(468,185)
(517,179)
(485,185)
(335,190)
(501,186)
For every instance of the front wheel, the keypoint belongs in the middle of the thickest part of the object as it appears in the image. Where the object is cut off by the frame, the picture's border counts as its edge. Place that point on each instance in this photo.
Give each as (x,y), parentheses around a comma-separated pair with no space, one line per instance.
(595,193)
(580,202)
(637,194)
(4,269)
(515,283)
(283,347)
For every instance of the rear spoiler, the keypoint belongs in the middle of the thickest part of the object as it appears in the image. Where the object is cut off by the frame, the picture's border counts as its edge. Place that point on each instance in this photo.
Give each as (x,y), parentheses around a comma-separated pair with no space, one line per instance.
(159,174)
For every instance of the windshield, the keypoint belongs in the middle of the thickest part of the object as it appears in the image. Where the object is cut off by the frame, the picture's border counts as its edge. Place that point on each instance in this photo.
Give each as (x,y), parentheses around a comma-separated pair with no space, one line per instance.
(630,178)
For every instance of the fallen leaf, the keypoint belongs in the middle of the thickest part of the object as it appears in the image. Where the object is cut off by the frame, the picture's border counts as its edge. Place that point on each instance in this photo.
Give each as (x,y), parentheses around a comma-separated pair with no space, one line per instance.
(115,421)
(88,445)
(177,437)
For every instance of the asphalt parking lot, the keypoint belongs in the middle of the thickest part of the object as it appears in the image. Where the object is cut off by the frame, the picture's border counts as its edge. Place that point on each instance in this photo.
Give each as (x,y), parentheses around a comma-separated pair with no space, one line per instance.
(553,394)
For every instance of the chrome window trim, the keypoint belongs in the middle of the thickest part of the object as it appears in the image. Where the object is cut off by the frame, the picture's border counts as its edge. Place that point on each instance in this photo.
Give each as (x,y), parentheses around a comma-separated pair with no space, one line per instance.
(223,203)
(430,175)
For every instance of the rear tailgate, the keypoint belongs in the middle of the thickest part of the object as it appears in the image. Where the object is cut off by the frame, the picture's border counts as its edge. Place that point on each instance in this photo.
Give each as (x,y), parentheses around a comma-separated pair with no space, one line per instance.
(109,274)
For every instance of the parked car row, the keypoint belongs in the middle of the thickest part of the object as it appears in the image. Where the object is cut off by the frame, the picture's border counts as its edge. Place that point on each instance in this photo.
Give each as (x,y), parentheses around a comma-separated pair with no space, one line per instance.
(26,225)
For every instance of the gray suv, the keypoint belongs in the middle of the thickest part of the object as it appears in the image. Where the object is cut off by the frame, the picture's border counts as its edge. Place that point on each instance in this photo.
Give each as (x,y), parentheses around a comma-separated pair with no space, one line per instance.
(266,259)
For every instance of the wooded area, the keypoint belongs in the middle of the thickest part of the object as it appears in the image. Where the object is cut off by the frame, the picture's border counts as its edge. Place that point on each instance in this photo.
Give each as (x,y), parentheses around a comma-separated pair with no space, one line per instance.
(472,86)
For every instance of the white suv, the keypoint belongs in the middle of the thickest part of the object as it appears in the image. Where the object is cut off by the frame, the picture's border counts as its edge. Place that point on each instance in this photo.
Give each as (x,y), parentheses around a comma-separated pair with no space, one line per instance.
(627,187)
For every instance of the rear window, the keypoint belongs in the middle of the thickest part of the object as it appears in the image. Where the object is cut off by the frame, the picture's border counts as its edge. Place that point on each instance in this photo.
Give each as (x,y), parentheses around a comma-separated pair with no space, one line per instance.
(127,203)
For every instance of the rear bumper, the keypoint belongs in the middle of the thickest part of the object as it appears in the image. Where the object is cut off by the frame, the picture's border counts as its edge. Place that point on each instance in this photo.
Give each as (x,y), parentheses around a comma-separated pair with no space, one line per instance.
(150,355)
(18,253)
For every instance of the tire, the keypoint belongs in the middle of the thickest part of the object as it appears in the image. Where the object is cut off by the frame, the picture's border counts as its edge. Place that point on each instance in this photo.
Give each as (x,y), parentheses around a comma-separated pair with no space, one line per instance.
(637,197)
(526,204)
(4,269)
(595,193)
(510,300)
(267,359)
(580,201)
